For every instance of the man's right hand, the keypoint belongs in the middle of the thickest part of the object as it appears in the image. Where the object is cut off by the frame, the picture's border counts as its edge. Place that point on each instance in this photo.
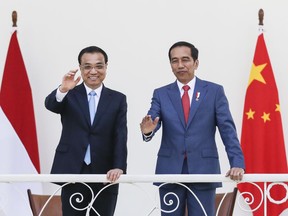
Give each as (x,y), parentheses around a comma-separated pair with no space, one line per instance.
(68,81)
(148,125)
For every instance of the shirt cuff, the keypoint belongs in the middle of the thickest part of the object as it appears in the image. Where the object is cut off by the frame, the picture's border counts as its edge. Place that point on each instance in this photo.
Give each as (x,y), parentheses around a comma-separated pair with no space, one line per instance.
(60,95)
(148,136)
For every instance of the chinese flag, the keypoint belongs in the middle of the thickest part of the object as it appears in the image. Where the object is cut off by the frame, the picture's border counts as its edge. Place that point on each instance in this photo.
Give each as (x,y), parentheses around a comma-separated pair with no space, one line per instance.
(18,140)
(262,137)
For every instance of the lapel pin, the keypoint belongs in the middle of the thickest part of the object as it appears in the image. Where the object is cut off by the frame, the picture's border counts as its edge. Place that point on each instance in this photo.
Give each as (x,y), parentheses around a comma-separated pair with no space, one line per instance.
(197,96)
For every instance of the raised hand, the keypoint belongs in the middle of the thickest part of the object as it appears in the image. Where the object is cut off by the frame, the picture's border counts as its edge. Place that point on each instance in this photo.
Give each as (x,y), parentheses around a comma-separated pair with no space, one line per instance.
(148,125)
(69,81)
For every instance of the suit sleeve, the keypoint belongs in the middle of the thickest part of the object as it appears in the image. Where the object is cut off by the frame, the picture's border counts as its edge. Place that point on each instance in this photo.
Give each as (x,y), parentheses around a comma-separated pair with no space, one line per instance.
(154,111)
(52,104)
(228,131)
(121,131)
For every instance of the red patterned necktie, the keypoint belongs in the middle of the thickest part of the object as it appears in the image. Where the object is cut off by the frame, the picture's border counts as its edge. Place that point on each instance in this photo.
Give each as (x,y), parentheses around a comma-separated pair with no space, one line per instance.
(186,102)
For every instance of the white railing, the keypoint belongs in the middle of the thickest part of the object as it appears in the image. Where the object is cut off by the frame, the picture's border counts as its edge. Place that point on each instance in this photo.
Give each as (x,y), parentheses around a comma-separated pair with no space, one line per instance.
(139,178)
(274,179)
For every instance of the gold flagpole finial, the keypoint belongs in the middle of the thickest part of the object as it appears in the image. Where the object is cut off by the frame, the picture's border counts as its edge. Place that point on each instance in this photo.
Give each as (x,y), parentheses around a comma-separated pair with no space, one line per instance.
(261,16)
(14,18)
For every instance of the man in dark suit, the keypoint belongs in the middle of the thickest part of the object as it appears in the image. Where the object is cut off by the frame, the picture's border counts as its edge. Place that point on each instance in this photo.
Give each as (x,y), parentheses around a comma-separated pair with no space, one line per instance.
(88,144)
(188,133)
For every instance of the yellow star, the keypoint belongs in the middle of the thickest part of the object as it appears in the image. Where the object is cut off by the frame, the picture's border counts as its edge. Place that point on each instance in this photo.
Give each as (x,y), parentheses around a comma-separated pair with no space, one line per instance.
(277,108)
(255,73)
(266,117)
(250,114)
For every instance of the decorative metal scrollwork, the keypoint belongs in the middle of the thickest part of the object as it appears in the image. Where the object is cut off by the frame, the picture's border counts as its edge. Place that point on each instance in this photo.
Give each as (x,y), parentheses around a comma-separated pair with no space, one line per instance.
(170,203)
(270,186)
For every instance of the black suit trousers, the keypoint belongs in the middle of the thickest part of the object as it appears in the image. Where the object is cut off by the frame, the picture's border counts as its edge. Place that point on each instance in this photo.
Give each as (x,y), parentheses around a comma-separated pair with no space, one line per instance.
(76,198)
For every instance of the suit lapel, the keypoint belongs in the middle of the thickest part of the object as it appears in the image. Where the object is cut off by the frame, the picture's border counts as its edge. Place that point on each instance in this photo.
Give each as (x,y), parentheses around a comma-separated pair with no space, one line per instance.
(174,94)
(198,95)
(104,101)
(81,96)
(103,104)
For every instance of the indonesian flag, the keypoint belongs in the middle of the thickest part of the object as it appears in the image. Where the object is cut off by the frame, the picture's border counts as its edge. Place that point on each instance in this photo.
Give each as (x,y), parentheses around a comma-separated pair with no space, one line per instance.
(18,140)
(262,137)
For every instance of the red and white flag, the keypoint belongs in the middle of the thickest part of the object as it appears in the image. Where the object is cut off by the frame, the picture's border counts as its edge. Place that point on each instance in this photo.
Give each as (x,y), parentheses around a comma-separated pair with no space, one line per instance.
(18,139)
(262,137)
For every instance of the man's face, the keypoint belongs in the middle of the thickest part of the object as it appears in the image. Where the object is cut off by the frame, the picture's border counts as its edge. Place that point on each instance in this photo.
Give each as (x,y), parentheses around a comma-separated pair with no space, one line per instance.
(182,64)
(93,69)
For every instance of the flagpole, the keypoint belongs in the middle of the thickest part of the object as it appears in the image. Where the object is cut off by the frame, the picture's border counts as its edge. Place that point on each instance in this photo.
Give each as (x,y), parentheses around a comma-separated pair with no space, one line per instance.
(14,21)
(261,18)
(261,30)
(14,18)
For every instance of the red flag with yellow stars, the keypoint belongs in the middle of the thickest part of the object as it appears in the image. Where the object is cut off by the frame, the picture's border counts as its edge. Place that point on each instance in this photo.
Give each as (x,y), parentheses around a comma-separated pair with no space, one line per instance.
(262,137)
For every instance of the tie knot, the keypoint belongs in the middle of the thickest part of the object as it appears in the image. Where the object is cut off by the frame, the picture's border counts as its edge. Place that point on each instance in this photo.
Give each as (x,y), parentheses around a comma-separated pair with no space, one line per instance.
(186,88)
(92,93)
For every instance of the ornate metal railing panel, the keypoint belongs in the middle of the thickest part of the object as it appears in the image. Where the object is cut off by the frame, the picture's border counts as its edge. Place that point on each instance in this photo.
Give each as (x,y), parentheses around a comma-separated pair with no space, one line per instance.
(270,180)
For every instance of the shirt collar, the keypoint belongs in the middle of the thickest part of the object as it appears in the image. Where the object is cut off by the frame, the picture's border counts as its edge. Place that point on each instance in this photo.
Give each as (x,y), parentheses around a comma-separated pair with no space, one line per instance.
(191,84)
(98,90)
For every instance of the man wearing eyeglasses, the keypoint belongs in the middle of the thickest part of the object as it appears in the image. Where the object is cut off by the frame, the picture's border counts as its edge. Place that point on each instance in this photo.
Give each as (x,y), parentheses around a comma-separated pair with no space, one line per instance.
(94,134)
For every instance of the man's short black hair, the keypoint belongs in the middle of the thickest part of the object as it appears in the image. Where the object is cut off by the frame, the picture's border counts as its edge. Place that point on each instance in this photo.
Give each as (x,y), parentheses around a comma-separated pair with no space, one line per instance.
(193,49)
(92,49)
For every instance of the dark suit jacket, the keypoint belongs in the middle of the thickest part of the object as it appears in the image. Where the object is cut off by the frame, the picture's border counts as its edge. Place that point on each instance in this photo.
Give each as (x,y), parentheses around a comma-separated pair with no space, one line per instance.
(197,138)
(107,136)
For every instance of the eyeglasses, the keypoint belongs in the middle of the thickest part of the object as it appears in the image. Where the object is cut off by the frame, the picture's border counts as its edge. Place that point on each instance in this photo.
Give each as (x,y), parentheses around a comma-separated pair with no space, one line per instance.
(88,68)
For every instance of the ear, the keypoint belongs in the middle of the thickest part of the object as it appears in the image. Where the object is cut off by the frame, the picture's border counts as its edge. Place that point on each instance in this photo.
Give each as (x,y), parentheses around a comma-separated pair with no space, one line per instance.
(196,64)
